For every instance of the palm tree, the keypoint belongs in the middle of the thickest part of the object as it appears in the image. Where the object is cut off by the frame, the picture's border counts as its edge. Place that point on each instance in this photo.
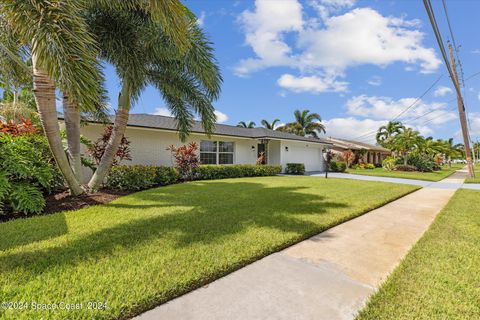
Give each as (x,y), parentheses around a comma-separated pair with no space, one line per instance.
(431,147)
(270,125)
(406,141)
(249,125)
(387,132)
(305,124)
(143,55)
(64,53)
(452,150)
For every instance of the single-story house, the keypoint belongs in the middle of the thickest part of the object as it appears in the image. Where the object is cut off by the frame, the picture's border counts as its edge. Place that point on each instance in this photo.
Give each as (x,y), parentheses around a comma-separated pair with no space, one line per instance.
(151,135)
(371,153)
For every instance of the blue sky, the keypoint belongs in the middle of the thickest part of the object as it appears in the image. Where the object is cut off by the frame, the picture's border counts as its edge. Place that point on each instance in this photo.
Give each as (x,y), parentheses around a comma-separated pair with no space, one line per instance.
(356,63)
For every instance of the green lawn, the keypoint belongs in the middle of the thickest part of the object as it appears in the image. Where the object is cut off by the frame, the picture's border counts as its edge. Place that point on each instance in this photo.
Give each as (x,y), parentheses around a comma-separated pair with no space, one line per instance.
(149,247)
(439,278)
(477,176)
(428,176)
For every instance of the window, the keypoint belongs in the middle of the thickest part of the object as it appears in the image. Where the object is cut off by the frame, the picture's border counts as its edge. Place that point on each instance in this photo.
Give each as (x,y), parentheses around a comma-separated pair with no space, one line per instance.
(216,152)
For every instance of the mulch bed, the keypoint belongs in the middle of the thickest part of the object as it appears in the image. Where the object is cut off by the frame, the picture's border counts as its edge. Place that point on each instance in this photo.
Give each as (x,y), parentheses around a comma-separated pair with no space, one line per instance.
(63,201)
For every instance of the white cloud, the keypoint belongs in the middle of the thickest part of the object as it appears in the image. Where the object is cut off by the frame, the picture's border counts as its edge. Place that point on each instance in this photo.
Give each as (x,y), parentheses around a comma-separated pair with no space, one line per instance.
(221,117)
(375,81)
(474,121)
(201,19)
(264,29)
(364,36)
(351,127)
(162,111)
(311,84)
(387,108)
(441,91)
(358,37)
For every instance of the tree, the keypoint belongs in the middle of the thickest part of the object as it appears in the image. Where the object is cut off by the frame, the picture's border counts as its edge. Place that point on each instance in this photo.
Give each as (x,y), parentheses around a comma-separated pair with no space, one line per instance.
(305,124)
(452,150)
(431,147)
(270,125)
(249,125)
(64,54)
(406,141)
(143,55)
(386,133)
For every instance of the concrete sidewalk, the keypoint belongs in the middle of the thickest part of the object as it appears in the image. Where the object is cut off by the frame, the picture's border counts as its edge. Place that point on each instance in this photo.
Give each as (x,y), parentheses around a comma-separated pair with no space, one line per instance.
(448,183)
(329,276)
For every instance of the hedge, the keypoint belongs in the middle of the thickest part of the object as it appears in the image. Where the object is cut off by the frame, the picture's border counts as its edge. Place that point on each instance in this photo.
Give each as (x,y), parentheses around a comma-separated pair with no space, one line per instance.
(295,168)
(140,177)
(208,172)
(338,166)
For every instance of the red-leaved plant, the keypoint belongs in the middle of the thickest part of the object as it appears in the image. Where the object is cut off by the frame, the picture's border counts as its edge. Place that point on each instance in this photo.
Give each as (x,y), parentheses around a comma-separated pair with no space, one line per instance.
(186,159)
(15,129)
(348,156)
(97,149)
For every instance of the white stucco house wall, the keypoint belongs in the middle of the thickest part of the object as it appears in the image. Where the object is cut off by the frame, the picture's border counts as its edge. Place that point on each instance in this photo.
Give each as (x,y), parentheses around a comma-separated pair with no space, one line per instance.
(151,135)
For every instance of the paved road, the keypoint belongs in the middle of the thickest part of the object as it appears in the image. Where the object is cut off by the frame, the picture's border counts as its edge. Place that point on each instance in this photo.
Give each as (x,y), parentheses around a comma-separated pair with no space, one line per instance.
(329,276)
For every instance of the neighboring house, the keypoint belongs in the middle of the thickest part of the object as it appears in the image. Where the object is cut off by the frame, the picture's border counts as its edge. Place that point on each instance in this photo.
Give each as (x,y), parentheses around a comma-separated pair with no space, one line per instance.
(371,153)
(151,135)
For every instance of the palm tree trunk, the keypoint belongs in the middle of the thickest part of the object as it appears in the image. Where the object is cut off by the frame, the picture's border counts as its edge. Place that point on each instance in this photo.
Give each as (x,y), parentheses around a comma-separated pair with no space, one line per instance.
(15,96)
(72,126)
(405,158)
(44,91)
(119,127)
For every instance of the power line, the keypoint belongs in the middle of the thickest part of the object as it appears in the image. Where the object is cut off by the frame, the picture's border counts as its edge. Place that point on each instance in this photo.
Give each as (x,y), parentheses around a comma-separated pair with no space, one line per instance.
(453,75)
(444,2)
(438,36)
(409,107)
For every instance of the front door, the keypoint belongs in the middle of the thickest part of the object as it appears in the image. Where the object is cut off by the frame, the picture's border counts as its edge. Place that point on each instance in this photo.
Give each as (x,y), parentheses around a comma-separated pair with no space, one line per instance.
(260,151)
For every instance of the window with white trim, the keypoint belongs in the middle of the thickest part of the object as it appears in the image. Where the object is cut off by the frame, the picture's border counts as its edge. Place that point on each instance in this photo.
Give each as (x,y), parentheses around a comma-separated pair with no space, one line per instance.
(216,152)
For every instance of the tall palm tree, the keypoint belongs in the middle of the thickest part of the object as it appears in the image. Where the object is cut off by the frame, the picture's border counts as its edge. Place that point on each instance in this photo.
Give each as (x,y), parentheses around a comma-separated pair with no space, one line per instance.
(387,132)
(406,141)
(270,125)
(64,54)
(248,125)
(305,124)
(142,55)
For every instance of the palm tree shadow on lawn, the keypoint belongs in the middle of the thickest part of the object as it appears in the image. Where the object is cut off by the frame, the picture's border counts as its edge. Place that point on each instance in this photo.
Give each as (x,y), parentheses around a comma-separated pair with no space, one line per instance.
(209,220)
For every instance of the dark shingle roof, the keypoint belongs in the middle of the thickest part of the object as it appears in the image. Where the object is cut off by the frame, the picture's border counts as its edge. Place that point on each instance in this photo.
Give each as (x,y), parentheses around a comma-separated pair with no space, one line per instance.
(143,120)
(351,144)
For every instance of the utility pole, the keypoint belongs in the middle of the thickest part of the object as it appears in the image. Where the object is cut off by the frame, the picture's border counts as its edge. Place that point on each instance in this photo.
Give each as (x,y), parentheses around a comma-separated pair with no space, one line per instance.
(461,113)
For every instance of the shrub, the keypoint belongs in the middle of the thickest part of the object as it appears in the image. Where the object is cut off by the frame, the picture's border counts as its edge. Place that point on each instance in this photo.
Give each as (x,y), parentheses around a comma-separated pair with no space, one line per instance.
(27,171)
(166,175)
(423,163)
(338,166)
(140,177)
(131,178)
(295,168)
(186,160)
(15,129)
(370,166)
(349,157)
(207,172)
(389,163)
(402,167)
(97,149)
